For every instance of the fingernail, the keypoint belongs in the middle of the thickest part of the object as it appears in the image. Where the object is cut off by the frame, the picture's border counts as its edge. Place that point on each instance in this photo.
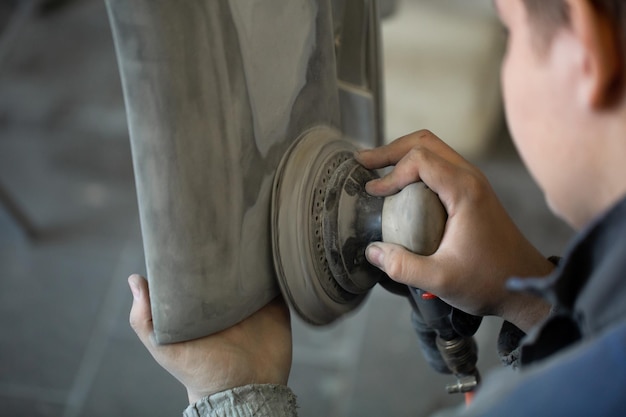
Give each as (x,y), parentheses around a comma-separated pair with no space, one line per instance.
(134,288)
(370,184)
(375,255)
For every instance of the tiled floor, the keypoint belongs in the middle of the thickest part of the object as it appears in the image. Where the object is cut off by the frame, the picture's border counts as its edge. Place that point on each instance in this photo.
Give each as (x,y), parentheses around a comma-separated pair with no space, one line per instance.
(65,346)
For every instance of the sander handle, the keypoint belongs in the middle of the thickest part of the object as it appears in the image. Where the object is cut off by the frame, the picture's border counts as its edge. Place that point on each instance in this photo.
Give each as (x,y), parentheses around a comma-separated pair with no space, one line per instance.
(415,218)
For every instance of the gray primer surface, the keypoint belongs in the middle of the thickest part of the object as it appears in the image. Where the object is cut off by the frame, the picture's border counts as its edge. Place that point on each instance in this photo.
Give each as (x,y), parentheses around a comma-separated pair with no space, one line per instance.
(273,81)
(215,92)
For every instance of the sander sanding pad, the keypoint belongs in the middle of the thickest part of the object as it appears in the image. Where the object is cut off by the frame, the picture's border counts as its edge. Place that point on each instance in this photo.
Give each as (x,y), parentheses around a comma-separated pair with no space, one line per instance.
(304,192)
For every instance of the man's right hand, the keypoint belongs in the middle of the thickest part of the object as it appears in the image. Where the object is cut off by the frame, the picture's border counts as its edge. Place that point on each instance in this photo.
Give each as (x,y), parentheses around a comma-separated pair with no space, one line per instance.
(481,246)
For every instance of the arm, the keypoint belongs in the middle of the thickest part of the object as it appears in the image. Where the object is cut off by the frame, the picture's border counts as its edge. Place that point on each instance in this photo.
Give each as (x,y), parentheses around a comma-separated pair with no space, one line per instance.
(481,246)
(249,361)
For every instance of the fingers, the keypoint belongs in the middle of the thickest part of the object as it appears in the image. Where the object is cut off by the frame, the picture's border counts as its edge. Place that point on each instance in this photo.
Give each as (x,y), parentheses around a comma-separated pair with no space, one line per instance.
(418,164)
(400,264)
(393,152)
(140,313)
(418,156)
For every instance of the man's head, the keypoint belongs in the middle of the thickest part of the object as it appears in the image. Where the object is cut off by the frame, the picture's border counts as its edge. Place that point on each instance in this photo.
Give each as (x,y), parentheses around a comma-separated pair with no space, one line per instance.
(562,83)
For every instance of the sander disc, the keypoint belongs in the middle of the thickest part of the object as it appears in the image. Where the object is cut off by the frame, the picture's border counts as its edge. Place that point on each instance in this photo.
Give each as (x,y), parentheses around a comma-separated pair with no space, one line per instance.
(297,223)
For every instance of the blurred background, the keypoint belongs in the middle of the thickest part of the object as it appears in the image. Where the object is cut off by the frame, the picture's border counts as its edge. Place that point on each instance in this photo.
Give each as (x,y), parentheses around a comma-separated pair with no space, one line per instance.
(69,230)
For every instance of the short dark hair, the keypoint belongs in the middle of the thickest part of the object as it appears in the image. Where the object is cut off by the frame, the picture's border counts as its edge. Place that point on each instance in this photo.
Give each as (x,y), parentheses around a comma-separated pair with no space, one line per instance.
(549,15)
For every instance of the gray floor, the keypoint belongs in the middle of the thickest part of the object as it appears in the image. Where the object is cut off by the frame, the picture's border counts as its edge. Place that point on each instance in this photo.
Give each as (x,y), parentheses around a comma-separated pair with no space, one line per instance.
(65,345)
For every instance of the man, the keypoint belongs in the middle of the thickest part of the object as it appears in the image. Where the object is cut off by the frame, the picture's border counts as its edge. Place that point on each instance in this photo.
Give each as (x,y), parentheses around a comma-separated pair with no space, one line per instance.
(563,83)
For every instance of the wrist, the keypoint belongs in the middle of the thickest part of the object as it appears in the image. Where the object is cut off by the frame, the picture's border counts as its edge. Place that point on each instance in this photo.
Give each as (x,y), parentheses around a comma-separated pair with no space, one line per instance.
(248,400)
(199,392)
(525,309)
(244,380)
(194,397)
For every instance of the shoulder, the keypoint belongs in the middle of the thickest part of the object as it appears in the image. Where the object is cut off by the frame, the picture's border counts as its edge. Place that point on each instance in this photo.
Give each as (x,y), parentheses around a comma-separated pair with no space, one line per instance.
(585,379)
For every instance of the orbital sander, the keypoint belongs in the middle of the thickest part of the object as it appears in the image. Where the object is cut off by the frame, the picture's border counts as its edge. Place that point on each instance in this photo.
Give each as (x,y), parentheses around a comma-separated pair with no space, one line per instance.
(323,220)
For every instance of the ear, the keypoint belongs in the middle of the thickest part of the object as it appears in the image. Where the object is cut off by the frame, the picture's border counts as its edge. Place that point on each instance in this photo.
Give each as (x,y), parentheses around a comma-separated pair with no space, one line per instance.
(602,58)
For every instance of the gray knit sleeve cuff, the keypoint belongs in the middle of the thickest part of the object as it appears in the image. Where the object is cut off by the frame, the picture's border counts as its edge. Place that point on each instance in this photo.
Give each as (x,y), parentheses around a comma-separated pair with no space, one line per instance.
(262,400)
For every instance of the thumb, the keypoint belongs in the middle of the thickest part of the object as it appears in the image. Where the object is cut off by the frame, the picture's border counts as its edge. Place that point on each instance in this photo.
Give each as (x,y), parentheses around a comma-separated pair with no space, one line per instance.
(397,262)
(140,313)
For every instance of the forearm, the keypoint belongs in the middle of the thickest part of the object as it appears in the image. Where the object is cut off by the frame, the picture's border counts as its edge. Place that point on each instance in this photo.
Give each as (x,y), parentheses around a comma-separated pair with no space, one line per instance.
(261,400)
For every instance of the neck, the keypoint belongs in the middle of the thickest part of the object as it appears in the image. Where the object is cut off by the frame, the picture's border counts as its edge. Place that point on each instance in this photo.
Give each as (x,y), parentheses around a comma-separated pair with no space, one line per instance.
(603,173)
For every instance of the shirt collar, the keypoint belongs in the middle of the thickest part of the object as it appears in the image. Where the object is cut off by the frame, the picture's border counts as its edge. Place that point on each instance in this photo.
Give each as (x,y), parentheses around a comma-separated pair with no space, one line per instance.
(589,283)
